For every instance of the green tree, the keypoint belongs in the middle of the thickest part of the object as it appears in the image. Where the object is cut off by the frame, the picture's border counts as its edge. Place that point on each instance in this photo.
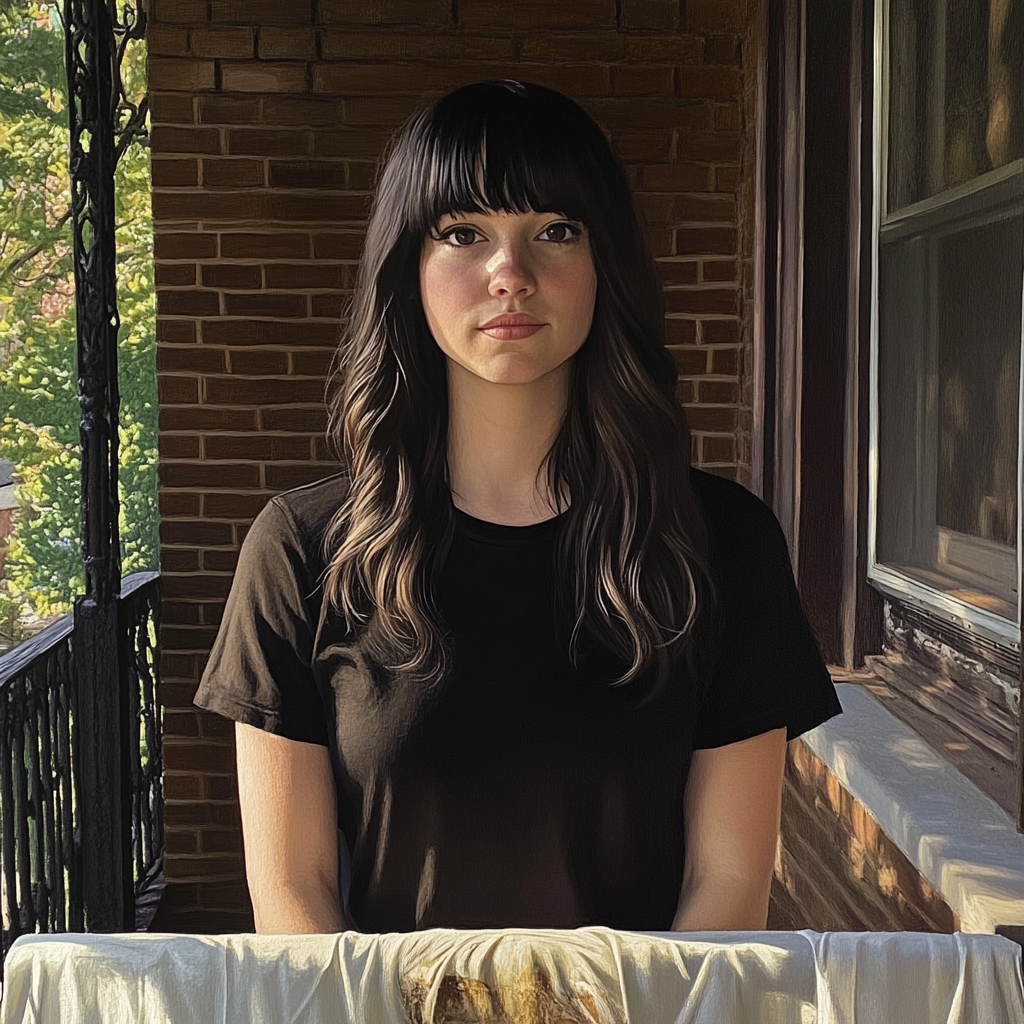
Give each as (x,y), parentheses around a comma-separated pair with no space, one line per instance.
(38,371)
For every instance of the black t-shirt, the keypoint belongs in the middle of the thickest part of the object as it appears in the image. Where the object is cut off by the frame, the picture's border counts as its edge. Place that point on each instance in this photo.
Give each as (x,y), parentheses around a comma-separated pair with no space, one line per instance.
(523,792)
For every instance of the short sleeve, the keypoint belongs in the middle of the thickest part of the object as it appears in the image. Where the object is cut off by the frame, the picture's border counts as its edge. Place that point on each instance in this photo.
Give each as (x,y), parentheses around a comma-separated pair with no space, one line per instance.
(769,671)
(260,667)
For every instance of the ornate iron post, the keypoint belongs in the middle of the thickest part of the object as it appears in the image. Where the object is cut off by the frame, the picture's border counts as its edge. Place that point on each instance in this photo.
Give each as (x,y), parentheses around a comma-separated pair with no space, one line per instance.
(94,44)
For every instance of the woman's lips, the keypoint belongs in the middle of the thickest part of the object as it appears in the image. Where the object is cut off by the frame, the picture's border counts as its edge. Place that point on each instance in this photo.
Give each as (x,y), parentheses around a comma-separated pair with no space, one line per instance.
(511,332)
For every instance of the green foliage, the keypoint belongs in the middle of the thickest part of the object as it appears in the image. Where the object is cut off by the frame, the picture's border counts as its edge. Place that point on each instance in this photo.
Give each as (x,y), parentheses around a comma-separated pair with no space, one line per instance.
(38,357)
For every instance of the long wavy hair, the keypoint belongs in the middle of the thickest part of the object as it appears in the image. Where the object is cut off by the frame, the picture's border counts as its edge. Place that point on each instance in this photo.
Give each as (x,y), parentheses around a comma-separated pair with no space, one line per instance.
(634,541)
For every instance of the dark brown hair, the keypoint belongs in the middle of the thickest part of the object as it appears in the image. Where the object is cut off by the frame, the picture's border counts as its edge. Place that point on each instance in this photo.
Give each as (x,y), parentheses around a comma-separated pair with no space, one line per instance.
(634,533)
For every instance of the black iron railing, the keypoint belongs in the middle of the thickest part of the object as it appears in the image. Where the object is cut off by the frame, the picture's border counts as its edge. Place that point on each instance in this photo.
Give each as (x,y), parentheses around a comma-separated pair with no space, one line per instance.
(42,756)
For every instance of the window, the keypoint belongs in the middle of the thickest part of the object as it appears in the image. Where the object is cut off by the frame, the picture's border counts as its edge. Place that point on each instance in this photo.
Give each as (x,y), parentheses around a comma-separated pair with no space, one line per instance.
(946,339)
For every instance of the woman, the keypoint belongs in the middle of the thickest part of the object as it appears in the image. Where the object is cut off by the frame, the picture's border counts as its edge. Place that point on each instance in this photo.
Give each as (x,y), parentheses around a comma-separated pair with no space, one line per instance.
(525,698)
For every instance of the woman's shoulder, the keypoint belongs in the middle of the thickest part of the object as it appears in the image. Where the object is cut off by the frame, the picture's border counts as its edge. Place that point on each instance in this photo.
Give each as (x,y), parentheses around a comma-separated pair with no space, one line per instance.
(310,508)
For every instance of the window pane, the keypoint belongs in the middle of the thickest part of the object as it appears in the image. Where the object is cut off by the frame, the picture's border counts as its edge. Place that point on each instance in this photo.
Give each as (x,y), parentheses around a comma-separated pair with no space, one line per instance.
(956,93)
(949,370)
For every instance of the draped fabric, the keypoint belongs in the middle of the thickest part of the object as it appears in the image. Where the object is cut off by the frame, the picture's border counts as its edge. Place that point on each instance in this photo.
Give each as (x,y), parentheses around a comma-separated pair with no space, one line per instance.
(516,976)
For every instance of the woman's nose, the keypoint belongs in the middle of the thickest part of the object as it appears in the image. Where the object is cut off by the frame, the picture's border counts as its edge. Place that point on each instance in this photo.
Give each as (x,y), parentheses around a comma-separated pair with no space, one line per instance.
(510,271)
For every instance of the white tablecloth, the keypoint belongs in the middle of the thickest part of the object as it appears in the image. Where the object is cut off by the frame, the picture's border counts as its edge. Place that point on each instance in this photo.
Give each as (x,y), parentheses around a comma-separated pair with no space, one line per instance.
(516,976)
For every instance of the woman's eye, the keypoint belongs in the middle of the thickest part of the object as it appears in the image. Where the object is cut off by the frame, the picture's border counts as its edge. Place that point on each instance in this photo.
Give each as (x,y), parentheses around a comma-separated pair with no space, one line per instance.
(567,232)
(454,232)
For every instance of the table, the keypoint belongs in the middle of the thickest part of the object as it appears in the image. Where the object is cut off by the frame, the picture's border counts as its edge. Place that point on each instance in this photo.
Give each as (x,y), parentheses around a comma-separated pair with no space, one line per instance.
(592,975)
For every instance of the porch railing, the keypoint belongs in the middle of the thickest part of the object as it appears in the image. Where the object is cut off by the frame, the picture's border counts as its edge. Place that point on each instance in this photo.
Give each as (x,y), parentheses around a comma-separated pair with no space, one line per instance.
(42,858)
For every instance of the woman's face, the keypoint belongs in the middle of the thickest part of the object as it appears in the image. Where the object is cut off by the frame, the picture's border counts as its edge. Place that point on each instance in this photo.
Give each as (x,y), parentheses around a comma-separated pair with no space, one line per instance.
(480,266)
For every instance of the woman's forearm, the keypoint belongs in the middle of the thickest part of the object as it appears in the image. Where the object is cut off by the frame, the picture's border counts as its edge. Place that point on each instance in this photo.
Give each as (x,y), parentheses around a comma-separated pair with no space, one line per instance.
(722,906)
(300,911)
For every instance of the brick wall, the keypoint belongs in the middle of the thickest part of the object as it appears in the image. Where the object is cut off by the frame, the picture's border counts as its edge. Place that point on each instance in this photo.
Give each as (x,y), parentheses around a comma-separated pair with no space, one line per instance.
(835,870)
(268,117)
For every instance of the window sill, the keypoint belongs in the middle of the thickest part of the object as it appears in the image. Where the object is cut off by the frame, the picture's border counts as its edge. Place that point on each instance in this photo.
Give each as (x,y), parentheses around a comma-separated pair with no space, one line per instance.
(958,838)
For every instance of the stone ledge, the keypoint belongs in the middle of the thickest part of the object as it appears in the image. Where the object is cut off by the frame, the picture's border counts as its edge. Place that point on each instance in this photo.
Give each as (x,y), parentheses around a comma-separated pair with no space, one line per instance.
(960,840)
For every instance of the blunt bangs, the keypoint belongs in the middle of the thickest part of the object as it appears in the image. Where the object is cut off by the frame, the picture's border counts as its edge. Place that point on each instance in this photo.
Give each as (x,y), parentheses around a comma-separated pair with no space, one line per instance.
(504,146)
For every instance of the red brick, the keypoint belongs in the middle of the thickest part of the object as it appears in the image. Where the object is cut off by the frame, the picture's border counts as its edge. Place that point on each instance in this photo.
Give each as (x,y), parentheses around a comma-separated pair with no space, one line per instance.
(394,12)
(181,787)
(175,173)
(716,421)
(347,45)
(176,841)
(706,209)
(277,304)
(166,139)
(380,111)
(187,302)
(184,245)
(338,246)
(680,332)
(709,147)
(262,12)
(312,364)
(197,475)
(230,110)
(721,332)
(268,143)
(718,449)
(726,179)
(674,272)
(536,14)
(264,246)
(690,360)
(222,42)
(297,111)
(319,174)
(258,362)
(284,477)
(727,117)
(167,42)
(678,48)
(172,560)
(177,75)
(172,504)
(287,43)
(177,446)
(602,46)
(326,306)
(627,115)
(721,270)
(199,531)
(259,207)
(192,358)
(233,506)
(659,15)
(725,361)
(679,177)
(645,146)
(261,448)
(660,241)
(232,173)
(706,16)
(194,757)
(718,392)
(207,419)
(175,332)
(302,276)
(723,49)
(707,301)
(710,241)
(170,108)
(709,83)
(178,11)
(361,177)
(314,419)
(220,561)
(264,77)
(182,865)
(262,332)
(639,80)
(237,391)
(232,275)
(178,390)
(221,840)
(174,274)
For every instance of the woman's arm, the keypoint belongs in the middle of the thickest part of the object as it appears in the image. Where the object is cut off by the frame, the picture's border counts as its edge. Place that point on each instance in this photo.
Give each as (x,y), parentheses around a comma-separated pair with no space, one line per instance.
(733,806)
(289,826)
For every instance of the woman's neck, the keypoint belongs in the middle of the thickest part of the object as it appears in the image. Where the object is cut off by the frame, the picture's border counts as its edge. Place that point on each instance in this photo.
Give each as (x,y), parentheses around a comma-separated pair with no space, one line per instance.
(498,435)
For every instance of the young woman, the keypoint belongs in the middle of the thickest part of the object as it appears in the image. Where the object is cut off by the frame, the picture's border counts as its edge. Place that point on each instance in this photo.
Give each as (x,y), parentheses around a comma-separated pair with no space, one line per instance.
(519,664)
